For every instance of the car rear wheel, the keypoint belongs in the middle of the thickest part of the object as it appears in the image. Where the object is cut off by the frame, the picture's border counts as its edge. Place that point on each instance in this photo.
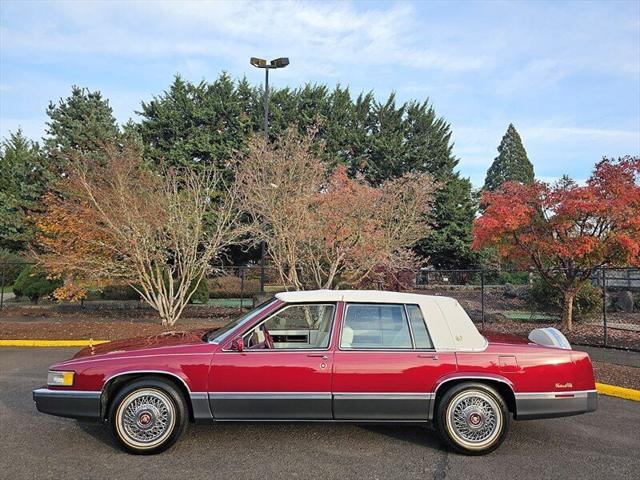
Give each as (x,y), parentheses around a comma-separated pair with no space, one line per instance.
(147,416)
(472,418)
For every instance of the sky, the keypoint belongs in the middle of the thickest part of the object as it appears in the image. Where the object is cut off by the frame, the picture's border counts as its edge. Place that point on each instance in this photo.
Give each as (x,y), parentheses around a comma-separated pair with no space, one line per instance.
(566,74)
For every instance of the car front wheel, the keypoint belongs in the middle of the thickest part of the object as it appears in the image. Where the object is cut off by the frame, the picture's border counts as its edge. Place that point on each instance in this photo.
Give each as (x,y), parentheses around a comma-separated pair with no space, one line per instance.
(472,418)
(147,416)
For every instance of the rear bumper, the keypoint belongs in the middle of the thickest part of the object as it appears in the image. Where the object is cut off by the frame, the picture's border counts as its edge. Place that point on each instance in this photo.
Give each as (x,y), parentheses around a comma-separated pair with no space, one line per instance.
(83,406)
(530,406)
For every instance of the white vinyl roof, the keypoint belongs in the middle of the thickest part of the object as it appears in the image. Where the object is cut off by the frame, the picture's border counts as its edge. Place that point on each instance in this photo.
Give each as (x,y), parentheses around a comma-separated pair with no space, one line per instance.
(450,327)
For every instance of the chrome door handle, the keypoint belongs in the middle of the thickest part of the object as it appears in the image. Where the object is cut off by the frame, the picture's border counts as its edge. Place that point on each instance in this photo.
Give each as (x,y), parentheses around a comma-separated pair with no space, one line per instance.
(432,356)
(319,355)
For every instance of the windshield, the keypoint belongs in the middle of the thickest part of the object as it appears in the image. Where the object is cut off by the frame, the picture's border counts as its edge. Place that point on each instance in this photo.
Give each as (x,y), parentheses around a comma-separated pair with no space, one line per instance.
(218,335)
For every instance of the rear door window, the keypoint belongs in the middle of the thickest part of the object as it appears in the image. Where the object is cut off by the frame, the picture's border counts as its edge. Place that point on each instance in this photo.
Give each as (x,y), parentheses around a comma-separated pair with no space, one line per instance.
(375,326)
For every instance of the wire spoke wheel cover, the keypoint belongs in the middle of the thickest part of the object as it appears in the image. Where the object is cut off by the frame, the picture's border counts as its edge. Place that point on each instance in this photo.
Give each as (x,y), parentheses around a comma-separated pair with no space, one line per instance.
(145,418)
(474,419)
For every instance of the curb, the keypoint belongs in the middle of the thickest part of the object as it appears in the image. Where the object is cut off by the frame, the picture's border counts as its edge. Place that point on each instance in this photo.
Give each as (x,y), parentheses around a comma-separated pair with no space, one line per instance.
(51,343)
(620,392)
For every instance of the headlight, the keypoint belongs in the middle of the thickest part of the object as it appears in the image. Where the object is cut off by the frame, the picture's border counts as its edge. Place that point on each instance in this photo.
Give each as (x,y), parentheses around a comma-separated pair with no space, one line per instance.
(60,379)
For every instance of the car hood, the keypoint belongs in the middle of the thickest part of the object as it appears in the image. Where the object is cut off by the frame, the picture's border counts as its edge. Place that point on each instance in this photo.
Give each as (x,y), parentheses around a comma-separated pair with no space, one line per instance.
(166,339)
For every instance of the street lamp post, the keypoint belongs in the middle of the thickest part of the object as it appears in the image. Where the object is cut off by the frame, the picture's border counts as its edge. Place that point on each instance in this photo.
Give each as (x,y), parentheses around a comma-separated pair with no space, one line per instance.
(261,63)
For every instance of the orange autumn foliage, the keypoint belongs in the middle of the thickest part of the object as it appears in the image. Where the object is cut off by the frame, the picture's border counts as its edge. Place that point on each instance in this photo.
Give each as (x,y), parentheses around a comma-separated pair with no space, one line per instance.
(566,231)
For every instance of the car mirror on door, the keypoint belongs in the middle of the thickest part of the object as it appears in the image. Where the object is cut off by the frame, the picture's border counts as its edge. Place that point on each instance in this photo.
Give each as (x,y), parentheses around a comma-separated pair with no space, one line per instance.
(237,344)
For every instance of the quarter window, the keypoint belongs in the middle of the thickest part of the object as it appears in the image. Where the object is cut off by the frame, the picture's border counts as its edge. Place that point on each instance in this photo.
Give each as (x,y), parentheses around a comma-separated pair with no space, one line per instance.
(419,327)
(375,326)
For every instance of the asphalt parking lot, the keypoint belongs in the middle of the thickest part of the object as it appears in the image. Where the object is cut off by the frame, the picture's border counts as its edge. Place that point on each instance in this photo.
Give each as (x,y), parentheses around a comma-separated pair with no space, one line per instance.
(604,444)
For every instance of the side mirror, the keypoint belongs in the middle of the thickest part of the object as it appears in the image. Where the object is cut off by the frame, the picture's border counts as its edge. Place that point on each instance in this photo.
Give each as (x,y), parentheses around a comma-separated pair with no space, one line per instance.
(237,344)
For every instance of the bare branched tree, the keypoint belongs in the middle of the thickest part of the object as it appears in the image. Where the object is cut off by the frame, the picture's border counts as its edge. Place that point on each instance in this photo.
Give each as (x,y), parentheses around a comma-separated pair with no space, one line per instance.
(157,231)
(326,230)
(278,184)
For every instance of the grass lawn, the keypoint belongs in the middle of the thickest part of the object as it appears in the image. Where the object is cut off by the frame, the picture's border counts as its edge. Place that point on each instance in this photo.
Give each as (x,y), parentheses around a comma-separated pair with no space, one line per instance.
(274,288)
(230,302)
(8,288)
(525,316)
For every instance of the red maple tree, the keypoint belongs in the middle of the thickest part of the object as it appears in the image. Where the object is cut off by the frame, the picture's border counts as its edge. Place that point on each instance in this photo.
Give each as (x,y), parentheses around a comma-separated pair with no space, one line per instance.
(565,230)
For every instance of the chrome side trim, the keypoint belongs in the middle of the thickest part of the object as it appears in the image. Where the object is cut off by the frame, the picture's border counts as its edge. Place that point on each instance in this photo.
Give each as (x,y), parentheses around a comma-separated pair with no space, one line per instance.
(382,396)
(555,404)
(67,393)
(553,395)
(270,396)
(199,395)
(345,395)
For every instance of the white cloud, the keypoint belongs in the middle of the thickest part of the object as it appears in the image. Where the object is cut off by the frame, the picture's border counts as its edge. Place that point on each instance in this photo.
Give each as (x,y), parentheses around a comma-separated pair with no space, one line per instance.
(323,37)
(565,74)
(555,133)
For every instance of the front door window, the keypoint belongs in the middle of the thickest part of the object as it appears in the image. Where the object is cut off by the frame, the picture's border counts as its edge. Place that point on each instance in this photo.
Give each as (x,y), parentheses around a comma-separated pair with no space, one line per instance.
(294,327)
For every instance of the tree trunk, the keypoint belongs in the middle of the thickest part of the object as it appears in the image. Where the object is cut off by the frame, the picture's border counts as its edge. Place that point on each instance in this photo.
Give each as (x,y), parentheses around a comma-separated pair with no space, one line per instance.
(567,310)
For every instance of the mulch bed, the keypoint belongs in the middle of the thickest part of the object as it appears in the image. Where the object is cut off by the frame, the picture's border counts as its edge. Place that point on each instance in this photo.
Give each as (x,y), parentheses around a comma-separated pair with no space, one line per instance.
(110,310)
(582,333)
(84,330)
(619,375)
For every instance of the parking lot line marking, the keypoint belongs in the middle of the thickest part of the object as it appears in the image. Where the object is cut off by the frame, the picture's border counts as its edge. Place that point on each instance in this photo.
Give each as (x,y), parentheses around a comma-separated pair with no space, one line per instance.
(51,343)
(620,392)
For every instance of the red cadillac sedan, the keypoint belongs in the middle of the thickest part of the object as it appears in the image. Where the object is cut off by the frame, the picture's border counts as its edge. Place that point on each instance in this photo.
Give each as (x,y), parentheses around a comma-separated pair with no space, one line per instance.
(326,356)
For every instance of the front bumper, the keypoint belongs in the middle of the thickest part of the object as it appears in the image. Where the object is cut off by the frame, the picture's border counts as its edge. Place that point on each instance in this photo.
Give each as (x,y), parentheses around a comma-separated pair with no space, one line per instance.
(81,405)
(530,406)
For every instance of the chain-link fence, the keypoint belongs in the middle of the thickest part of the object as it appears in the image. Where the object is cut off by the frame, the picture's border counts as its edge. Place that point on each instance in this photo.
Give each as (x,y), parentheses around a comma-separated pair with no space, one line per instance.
(507,301)
(517,301)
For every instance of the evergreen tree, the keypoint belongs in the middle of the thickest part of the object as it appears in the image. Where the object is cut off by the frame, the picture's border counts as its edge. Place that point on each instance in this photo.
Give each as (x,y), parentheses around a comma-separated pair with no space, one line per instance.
(203,123)
(24,179)
(411,138)
(449,245)
(511,164)
(82,123)
(378,140)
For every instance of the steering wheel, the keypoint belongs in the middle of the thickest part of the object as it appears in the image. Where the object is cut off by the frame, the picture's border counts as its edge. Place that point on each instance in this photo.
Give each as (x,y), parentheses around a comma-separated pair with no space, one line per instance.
(268,341)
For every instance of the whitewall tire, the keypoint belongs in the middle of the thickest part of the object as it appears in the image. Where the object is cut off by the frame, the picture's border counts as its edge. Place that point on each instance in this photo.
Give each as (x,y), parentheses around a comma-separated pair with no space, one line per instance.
(147,416)
(472,418)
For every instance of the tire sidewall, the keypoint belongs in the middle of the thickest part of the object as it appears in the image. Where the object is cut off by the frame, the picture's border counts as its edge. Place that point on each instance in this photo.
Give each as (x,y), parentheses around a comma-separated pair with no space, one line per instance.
(441,417)
(170,391)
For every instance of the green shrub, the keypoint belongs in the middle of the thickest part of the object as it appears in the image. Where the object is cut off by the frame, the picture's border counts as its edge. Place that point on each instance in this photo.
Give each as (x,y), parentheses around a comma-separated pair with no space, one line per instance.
(119,292)
(201,294)
(545,298)
(34,284)
(514,278)
(12,264)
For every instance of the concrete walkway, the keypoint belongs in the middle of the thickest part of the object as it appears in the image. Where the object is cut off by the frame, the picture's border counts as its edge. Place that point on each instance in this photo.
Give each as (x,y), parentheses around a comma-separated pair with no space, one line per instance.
(610,355)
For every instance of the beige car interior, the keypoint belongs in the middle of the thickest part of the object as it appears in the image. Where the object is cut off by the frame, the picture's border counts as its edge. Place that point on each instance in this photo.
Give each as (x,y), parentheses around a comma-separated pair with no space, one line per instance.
(295,326)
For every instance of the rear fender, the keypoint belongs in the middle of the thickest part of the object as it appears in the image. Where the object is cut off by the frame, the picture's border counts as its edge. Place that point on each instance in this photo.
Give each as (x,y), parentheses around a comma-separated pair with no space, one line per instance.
(502,384)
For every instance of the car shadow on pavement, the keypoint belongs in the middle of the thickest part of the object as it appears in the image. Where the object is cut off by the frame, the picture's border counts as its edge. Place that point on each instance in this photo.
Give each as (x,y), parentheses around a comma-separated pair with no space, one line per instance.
(100,432)
(415,434)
